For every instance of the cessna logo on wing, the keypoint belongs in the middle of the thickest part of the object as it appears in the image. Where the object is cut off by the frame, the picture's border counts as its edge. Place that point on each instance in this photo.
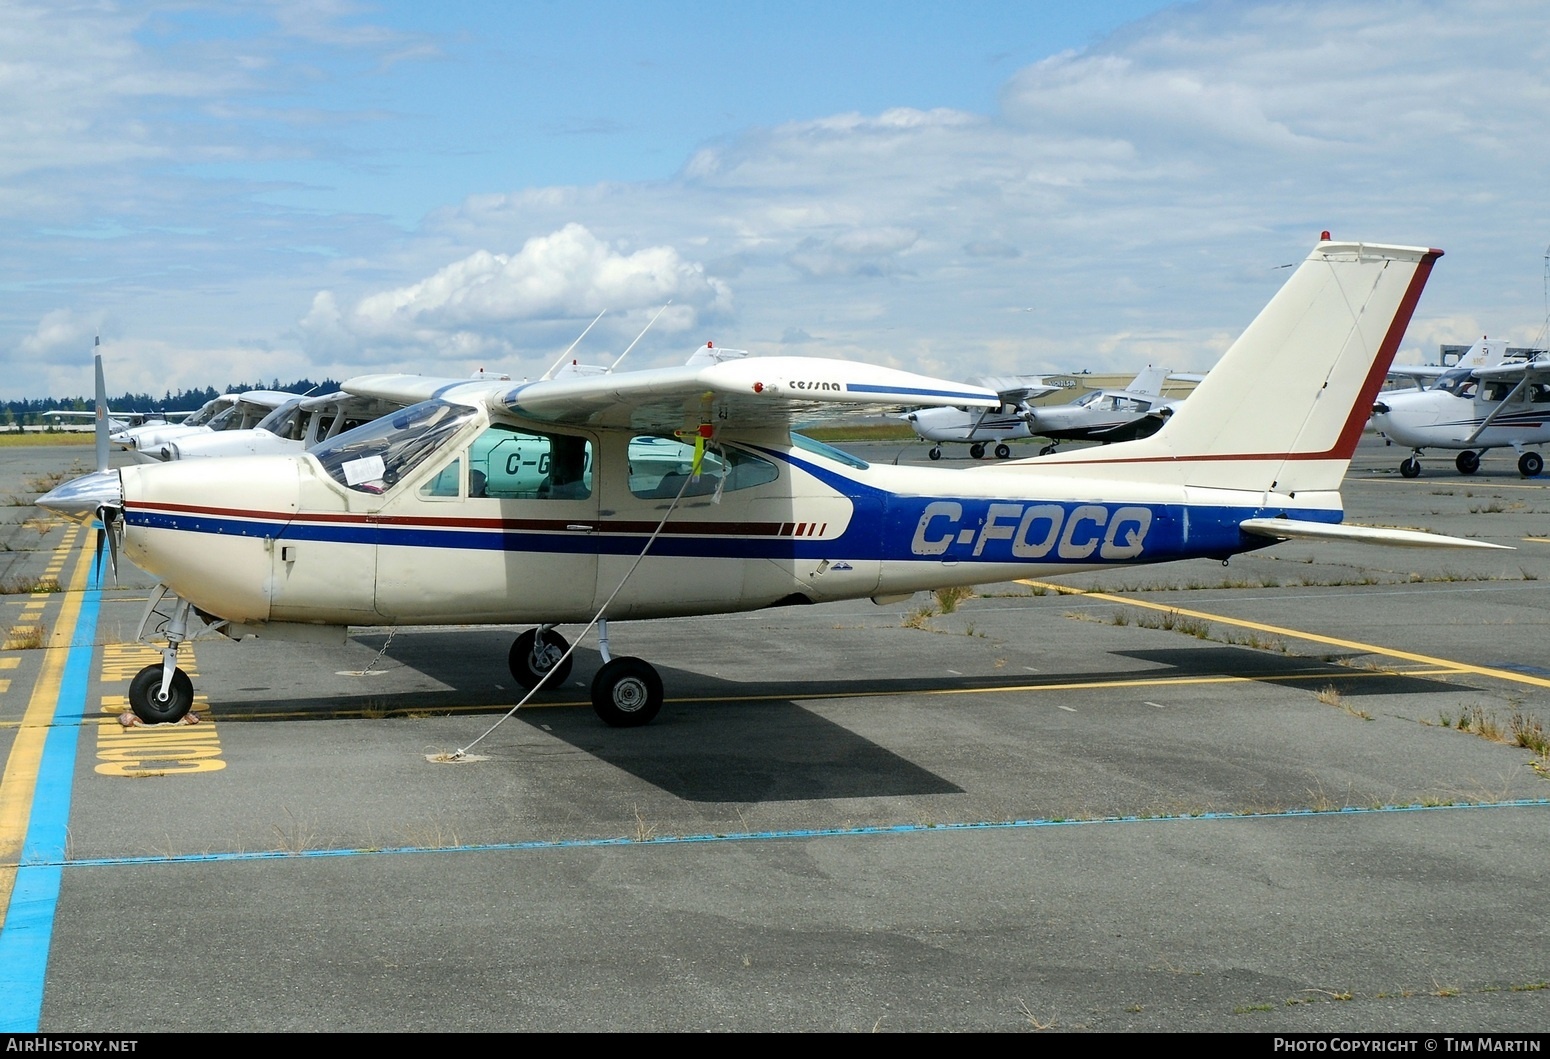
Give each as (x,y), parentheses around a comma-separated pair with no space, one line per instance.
(1033,531)
(814,384)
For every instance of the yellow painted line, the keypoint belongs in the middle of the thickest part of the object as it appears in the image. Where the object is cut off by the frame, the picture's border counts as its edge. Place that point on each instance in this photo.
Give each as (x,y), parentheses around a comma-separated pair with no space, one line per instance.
(1537,540)
(1297,634)
(10,662)
(20,778)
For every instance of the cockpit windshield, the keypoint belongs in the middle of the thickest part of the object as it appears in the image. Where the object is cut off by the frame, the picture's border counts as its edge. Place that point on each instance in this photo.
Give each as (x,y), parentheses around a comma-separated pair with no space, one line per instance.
(284,420)
(372,457)
(1460,382)
(207,411)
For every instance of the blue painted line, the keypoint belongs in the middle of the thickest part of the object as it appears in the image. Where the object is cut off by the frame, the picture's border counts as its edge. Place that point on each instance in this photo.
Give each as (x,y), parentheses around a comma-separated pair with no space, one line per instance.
(29,921)
(803,833)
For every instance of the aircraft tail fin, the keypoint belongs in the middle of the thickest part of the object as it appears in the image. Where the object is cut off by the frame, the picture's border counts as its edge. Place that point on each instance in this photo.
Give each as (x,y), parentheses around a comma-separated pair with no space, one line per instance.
(1484,354)
(1150,381)
(1284,408)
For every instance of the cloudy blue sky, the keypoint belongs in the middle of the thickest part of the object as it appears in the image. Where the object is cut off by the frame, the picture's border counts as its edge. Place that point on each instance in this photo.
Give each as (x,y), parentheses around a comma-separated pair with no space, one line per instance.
(241,190)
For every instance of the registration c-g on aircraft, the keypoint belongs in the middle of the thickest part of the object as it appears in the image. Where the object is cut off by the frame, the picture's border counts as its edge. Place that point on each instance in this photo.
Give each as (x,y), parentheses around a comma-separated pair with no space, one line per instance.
(678,491)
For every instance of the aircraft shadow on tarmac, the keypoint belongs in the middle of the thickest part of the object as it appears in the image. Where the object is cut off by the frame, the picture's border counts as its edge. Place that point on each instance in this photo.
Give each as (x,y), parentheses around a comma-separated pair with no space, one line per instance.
(720,740)
(1293,670)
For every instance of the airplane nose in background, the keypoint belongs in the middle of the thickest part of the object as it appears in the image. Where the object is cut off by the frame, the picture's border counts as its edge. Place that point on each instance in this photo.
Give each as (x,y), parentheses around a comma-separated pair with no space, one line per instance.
(79,498)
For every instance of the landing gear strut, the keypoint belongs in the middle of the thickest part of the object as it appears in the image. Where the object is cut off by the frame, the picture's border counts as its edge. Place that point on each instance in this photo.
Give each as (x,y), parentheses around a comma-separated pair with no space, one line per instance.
(626,692)
(535,654)
(161,693)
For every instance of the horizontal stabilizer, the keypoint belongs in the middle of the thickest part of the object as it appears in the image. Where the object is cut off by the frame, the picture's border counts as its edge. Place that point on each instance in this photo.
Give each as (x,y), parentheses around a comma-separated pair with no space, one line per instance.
(1287,529)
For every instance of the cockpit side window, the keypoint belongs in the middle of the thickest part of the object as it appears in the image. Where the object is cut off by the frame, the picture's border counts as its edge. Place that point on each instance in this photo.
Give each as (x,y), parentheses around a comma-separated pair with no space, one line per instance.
(507,463)
(374,457)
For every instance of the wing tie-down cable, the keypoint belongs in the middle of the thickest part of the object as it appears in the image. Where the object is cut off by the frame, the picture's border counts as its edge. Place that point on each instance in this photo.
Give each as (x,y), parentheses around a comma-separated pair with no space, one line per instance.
(461,753)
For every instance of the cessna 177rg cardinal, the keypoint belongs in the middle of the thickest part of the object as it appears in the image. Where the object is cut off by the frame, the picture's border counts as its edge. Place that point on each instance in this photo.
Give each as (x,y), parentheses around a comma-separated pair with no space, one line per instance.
(500,502)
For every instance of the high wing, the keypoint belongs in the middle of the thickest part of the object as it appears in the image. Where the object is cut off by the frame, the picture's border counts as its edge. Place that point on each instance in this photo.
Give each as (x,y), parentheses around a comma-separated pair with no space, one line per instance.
(751,393)
(1533,369)
(1016,389)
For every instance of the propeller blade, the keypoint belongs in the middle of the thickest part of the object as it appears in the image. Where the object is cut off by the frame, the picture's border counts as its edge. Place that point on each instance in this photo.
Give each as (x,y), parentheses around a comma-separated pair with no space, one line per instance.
(102,411)
(110,522)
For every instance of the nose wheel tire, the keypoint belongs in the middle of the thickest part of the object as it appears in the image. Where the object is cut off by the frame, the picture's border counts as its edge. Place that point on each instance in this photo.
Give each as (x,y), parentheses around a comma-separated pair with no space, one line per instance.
(1411,468)
(529,666)
(1530,464)
(935,453)
(626,693)
(1467,462)
(146,701)
(1003,452)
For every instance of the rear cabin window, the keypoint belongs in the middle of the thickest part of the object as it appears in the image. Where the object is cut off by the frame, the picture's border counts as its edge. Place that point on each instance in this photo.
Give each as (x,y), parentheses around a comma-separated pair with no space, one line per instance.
(659,467)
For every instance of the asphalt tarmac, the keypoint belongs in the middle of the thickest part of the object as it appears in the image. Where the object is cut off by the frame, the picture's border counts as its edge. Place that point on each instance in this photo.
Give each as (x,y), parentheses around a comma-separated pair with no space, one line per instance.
(1289,794)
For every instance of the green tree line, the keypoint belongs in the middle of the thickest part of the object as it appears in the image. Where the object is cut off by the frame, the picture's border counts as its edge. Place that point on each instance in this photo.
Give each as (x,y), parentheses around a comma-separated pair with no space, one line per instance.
(29,411)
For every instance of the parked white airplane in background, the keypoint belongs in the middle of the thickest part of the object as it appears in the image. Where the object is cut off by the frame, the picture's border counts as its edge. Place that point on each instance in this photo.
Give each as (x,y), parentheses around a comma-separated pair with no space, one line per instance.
(1108,416)
(381,525)
(1483,353)
(299,423)
(232,411)
(1484,402)
(1097,415)
(129,437)
(978,427)
(116,420)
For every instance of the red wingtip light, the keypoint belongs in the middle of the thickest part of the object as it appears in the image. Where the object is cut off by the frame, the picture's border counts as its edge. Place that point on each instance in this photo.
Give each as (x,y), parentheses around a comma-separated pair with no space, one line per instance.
(1323,237)
(709,343)
(758,387)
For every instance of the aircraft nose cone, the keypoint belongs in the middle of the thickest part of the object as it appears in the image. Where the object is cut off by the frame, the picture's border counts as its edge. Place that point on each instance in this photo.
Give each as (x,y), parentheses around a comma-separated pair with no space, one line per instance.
(79,498)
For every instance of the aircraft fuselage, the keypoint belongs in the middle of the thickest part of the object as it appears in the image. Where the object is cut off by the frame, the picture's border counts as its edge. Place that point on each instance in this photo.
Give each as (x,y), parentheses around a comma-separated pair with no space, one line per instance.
(287,540)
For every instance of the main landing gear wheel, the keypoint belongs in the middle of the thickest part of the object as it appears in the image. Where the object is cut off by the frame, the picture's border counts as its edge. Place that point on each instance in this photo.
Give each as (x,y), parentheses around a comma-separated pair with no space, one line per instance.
(977,451)
(146,700)
(1046,450)
(1467,462)
(626,693)
(1003,452)
(1530,464)
(935,453)
(529,666)
(1411,468)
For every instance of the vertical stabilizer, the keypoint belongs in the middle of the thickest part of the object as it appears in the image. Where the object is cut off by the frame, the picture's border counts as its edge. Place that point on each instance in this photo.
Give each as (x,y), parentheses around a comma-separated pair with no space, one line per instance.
(1283,409)
(1150,381)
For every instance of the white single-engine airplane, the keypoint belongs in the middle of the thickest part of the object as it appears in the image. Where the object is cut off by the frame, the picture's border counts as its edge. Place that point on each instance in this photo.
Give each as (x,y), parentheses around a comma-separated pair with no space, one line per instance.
(723,509)
(1484,402)
(299,423)
(232,411)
